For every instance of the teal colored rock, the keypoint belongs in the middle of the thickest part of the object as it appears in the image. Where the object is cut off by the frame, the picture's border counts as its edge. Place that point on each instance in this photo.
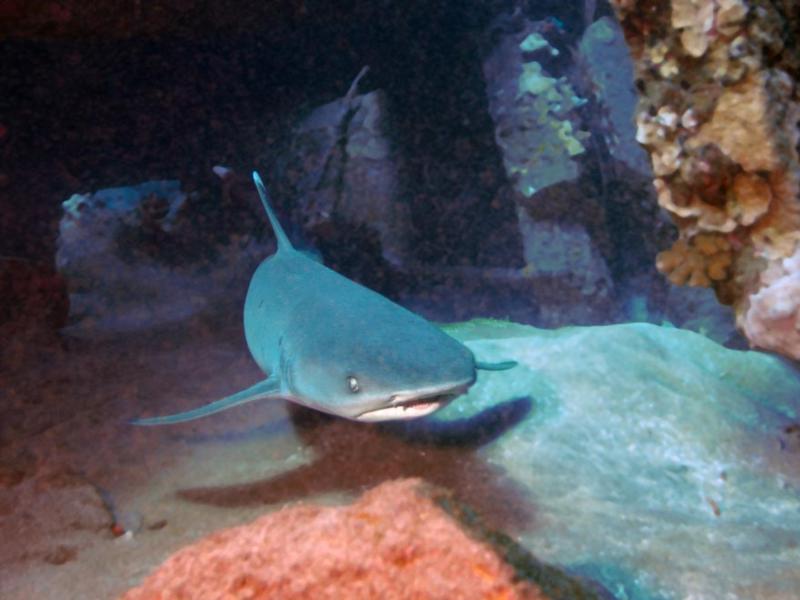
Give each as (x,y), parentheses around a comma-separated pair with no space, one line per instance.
(656,461)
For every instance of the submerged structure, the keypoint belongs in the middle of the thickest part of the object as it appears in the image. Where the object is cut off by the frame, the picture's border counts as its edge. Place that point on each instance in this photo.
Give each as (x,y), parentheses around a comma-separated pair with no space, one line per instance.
(604,195)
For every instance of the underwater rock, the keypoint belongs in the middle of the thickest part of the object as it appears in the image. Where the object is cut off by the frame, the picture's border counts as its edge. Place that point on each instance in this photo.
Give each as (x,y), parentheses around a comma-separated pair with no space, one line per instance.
(563,116)
(658,461)
(134,259)
(532,110)
(696,309)
(346,173)
(564,250)
(50,515)
(394,542)
(605,60)
(545,299)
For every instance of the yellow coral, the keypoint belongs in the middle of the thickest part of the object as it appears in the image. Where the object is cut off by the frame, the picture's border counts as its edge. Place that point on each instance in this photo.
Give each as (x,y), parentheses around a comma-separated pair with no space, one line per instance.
(741,123)
(669,68)
(648,131)
(749,199)
(657,53)
(693,13)
(666,159)
(695,19)
(735,195)
(700,215)
(694,41)
(699,262)
(775,234)
(730,16)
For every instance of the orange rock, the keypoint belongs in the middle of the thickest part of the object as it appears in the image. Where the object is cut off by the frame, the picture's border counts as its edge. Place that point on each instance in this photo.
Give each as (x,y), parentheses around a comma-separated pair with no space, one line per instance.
(393,543)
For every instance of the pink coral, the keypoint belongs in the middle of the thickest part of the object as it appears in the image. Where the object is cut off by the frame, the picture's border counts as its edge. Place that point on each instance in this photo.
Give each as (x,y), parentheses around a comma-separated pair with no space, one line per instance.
(772,320)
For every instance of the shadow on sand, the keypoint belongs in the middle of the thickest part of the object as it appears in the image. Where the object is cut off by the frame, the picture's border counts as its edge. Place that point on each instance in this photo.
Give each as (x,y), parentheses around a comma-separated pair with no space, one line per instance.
(352,457)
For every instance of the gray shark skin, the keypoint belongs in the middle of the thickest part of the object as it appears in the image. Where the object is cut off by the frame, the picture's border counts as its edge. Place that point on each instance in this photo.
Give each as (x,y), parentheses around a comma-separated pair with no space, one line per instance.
(333,345)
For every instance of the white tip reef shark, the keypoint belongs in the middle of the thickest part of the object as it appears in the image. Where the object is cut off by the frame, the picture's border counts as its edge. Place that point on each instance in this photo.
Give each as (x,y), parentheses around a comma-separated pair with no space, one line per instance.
(333,345)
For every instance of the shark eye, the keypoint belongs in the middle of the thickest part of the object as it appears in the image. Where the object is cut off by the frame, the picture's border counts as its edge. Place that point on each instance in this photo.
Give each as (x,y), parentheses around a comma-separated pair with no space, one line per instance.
(352,383)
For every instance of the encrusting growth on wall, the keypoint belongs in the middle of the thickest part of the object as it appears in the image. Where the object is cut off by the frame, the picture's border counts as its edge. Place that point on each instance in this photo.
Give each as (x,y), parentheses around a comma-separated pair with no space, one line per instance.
(533,112)
(718,113)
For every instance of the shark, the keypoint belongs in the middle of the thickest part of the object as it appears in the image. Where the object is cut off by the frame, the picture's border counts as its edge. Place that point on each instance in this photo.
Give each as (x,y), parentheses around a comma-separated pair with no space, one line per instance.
(333,345)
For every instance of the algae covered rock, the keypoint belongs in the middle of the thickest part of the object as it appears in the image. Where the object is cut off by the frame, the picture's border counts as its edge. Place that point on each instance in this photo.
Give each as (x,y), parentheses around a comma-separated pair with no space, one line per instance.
(141,256)
(533,111)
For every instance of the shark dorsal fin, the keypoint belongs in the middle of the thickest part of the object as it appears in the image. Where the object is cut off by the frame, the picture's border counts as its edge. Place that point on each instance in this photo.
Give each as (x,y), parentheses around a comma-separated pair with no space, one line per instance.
(280,234)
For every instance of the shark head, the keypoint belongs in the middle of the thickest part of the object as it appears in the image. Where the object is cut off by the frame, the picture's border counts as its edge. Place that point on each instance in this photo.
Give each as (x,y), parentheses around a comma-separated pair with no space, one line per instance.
(385,373)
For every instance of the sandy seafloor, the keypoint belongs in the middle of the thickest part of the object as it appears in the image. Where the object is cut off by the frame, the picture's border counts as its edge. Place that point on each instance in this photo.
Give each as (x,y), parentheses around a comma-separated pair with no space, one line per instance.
(66,412)
(650,458)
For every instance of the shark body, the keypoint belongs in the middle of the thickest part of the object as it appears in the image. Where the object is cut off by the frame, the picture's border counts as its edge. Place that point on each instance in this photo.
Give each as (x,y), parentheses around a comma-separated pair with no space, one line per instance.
(333,345)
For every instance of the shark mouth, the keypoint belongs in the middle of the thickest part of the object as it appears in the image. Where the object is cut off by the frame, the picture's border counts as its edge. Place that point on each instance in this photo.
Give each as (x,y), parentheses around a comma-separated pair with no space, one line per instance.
(413,405)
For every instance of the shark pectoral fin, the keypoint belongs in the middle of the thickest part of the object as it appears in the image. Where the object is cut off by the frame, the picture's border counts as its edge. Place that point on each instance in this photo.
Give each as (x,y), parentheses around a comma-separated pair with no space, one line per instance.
(499,366)
(270,387)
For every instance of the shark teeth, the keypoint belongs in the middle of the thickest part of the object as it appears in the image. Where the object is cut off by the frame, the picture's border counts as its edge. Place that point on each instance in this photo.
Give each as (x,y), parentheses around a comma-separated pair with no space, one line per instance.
(411,410)
(412,405)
